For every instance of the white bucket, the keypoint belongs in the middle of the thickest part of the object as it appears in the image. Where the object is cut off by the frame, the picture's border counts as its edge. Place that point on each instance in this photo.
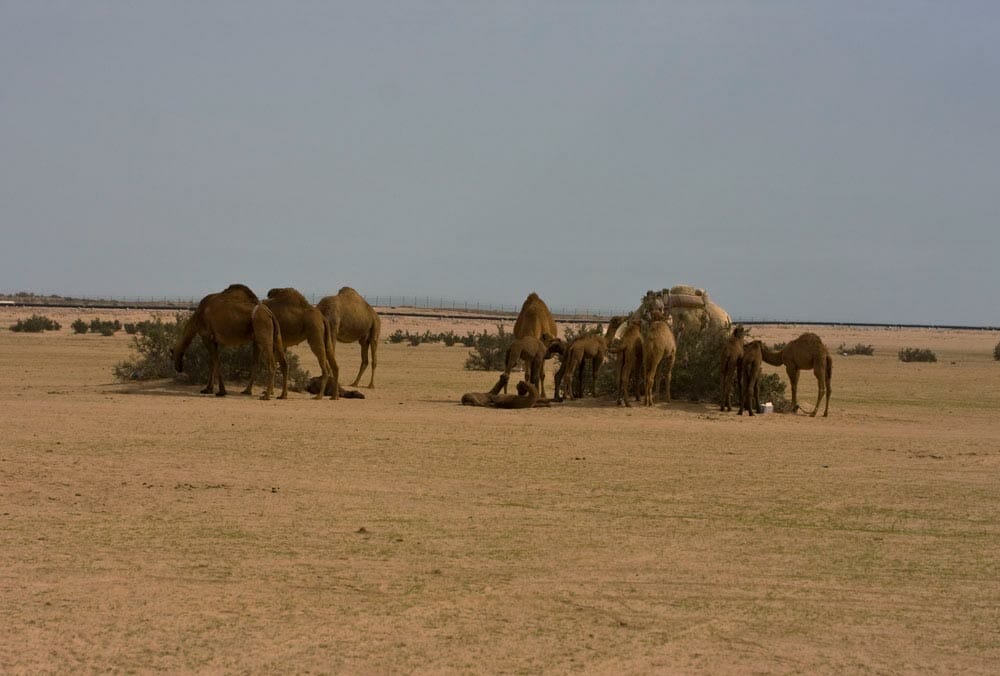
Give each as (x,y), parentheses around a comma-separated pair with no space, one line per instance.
(768,408)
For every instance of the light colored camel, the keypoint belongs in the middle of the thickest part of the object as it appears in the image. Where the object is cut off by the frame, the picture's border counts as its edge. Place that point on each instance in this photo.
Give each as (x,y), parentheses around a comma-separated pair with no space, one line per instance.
(749,375)
(805,352)
(231,318)
(353,320)
(658,345)
(535,319)
(301,321)
(590,348)
(629,351)
(732,358)
(485,398)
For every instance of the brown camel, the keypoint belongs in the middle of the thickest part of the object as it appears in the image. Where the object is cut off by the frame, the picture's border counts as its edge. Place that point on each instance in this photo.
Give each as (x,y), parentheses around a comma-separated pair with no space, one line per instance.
(312,387)
(231,318)
(353,320)
(535,319)
(629,351)
(526,397)
(300,320)
(805,352)
(732,358)
(533,353)
(749,376)
(485,398)
(590,348)
(658,345)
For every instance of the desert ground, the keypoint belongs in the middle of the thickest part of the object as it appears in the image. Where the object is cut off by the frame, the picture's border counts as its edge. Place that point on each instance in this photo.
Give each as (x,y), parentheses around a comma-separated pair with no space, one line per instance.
(144,526)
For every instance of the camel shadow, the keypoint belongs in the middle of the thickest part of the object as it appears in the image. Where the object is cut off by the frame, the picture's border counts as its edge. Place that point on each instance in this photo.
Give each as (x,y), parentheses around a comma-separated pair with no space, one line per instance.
(170,388)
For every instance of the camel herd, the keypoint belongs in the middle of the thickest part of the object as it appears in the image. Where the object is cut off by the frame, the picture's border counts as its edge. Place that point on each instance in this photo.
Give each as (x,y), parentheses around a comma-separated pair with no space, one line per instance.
(641,343)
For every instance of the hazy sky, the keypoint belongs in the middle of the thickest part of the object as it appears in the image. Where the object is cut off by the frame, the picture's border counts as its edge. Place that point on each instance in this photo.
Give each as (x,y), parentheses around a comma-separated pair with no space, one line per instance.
(801,160)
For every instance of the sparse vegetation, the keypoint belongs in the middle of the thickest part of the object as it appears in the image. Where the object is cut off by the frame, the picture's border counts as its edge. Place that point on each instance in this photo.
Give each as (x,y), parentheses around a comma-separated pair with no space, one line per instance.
(489,350)
(908,354)
(449,338)
(104,327)
(996,352)
(35,324)
(154,341)
(79,326)
(858,349)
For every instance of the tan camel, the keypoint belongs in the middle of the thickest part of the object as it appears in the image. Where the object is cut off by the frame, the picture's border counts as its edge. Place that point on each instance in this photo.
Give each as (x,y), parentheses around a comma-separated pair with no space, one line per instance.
(301,321)
(312,387)
(629,351)
(526,397)
(805,352)
(354,320)
(533,353)
(749,375)
(658,345)
(535,319)
(485,398)
(732,358)
(590,348)
(231,318)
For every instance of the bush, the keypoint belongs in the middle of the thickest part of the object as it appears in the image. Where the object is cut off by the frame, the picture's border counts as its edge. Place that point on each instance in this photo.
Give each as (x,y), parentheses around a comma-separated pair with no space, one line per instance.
(154,358)
(131,329)
(996,352)
(398,336)
(866,350)
(105,328)
(35,324)
(489,350)
(909,354)
(79,326)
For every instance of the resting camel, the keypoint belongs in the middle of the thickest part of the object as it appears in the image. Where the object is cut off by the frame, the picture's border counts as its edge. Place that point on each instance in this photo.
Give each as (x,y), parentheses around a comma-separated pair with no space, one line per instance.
(658,345)
(353,320)
(300,320)
(484,398)
(629,351)
(749,376)
(534,319)
(526,397)
(533,352)
(805,352)
(231,318)
(732,358)
(590,348)
(312,387)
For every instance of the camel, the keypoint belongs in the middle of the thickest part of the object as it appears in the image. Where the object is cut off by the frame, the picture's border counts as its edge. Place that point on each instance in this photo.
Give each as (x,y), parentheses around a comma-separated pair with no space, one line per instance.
(805,352)
(353,320)
(732,358)
(526,397)
(312,387)
(629,351)
(231,318)
(533,352)
(749,376)
(485,398)
(658,345)
(300,320)
(535,319)
(591,348)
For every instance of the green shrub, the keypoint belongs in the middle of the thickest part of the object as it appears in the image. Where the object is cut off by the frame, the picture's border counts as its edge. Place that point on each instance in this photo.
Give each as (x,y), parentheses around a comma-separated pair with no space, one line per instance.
(153,358)
(35,324)
(909,354)
(79,326)
(105,328)
(996,352)
(866,350)
(131,329)
(398,336)
(489,350)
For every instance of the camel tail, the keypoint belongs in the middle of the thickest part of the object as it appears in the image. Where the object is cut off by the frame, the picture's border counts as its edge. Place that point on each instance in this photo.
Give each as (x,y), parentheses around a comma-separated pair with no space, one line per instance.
(190,330)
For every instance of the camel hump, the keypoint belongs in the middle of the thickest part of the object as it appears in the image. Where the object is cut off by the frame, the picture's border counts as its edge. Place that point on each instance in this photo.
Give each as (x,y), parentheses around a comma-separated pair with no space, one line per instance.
(288,295)
(348,290)
(242,289)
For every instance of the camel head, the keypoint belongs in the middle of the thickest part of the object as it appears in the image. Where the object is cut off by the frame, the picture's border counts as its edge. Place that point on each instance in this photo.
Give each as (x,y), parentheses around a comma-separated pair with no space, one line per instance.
(739,331)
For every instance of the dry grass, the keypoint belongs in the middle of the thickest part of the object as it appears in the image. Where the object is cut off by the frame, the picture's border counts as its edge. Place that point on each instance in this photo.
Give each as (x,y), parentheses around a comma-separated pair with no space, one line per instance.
(149,527)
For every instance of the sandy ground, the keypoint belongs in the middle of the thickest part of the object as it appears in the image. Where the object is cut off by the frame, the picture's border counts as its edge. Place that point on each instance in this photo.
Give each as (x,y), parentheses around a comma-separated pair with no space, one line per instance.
(147,527)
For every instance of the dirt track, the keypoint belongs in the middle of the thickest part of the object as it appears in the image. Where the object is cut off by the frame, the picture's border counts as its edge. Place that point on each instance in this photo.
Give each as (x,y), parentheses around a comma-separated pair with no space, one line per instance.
(145,526)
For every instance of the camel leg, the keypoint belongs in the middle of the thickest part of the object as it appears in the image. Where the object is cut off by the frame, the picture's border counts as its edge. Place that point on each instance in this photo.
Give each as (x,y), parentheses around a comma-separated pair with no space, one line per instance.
(364,363)
(217,372)
(331,359)
(595,366)
(373,346)
(793,379)
(248,390)
(213,355)
(318,346)
(829,377)
(279,356)
(820,386)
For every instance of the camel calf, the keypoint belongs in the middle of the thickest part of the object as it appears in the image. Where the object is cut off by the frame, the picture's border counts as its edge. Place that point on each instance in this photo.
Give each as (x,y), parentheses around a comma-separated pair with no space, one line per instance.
(732,358)
(749,376)
(533,352)
(590,348)
(629,351)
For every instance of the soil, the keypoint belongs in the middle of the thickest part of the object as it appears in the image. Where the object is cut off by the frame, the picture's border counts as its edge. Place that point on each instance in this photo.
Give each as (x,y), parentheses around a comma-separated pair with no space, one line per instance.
(145,526)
